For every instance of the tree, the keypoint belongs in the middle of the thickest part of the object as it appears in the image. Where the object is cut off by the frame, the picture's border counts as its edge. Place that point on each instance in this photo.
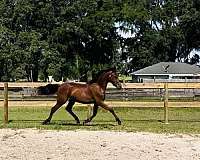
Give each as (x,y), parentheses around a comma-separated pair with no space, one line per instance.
(67,39)
(160,31)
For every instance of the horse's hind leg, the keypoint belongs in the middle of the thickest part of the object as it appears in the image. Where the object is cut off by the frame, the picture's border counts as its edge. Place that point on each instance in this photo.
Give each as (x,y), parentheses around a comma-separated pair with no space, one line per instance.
(69,109)
(53,110)
(95,109)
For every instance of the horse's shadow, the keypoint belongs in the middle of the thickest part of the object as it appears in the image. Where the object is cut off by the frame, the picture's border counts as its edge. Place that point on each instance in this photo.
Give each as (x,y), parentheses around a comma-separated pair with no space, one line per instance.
(66,123)
(72,123)
(99,123)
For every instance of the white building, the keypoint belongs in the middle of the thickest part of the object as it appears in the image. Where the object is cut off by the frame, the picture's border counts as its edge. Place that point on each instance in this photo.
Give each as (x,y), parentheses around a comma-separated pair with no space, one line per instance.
(168,71)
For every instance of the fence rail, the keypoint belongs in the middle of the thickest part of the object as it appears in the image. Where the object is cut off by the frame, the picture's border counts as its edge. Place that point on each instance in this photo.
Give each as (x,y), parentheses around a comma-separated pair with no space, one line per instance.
(171,85)
(130,91)
(170,80)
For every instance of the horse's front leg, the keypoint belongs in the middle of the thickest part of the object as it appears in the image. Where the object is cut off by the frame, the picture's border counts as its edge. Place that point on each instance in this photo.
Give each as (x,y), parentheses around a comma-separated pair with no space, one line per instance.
(105,106)
(95,109)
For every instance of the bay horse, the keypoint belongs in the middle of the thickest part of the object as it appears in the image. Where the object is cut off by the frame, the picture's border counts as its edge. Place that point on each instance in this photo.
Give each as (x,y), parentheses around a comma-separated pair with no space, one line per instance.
(92,92)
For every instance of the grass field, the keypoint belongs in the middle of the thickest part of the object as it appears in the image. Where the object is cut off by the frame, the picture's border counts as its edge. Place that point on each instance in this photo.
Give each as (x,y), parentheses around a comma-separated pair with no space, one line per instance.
(181,120)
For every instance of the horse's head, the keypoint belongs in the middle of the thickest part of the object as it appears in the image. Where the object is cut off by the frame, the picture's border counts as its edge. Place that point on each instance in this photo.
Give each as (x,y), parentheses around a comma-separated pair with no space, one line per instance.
(105,76)
(113,78)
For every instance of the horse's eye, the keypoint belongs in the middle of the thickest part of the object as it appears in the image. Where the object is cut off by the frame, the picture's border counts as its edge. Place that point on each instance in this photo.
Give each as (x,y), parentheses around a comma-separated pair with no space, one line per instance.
(114,76)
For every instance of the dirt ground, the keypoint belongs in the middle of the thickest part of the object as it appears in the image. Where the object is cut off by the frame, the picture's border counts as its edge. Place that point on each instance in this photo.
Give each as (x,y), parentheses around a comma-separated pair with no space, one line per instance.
(31,144)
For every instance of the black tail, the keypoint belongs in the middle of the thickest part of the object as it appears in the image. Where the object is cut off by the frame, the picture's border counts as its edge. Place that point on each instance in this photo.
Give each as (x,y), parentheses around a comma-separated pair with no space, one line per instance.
(48,89)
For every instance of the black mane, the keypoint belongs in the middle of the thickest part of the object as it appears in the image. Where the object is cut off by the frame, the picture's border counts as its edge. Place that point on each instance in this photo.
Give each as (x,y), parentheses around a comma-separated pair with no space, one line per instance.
(95,78)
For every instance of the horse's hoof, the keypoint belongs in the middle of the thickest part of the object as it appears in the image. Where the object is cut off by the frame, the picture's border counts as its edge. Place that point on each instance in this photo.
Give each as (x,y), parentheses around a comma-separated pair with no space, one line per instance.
(119,122)
(78,122)
(85,122)
(45,122)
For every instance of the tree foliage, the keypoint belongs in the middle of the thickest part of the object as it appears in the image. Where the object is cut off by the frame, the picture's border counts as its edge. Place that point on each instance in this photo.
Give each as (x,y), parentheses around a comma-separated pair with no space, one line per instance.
(70,38)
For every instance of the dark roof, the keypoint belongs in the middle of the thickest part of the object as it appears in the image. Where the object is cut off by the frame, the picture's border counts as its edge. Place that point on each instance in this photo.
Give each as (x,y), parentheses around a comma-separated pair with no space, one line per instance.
(169,68)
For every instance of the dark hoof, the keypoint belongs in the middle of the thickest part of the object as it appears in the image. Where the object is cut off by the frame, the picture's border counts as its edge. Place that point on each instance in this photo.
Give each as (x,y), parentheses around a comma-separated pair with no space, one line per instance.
(86,122)
(78,122)
(119,122)
(45,122)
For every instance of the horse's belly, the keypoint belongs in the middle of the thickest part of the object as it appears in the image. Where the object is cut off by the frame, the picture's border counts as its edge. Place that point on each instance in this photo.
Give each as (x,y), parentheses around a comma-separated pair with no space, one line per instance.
(83,97)
(84,100)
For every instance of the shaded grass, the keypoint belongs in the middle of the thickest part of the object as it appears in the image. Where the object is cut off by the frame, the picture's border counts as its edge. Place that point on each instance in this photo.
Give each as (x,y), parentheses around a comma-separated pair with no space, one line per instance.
(181,120)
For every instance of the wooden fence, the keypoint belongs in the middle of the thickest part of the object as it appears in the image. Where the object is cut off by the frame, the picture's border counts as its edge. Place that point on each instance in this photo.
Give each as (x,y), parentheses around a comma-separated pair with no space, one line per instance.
(126,85)
(165,86)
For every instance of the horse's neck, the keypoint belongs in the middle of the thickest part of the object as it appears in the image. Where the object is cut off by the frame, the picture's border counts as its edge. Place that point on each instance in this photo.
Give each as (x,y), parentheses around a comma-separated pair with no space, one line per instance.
(102,82)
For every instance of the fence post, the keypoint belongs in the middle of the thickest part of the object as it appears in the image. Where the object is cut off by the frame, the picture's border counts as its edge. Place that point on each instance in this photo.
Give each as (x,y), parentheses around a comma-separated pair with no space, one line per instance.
(166,95)
(5,103)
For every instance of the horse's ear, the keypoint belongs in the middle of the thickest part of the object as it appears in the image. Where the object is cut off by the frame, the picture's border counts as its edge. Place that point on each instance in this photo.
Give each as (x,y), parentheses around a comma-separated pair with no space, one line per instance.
(114,69)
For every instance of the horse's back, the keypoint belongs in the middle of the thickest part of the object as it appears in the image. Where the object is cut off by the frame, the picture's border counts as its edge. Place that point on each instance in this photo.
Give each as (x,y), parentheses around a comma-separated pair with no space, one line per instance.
(81,92)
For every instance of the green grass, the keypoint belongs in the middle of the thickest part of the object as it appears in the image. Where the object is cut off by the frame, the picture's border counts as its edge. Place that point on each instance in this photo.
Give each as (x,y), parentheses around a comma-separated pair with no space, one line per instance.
(181,120)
